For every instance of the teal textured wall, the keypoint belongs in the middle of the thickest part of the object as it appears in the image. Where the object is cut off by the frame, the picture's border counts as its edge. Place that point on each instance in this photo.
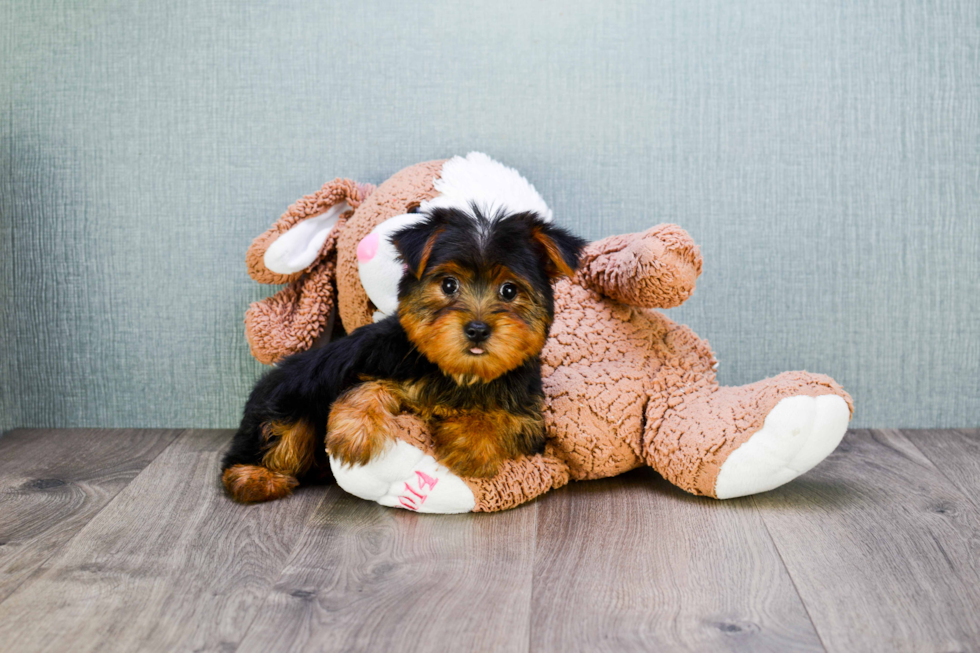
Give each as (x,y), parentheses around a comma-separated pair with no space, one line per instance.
(826,156)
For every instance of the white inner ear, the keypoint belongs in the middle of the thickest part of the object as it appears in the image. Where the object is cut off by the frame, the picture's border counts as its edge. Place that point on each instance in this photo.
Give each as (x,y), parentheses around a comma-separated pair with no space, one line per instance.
(299,247)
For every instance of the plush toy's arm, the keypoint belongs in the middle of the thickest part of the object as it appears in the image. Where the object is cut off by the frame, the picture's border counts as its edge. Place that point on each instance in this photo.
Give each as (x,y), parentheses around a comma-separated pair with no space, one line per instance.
(518,481)
(653,269)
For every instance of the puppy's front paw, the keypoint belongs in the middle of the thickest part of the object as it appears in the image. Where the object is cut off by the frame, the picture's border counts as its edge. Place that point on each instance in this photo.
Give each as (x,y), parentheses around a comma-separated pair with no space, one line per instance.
(362,423)
(353,442)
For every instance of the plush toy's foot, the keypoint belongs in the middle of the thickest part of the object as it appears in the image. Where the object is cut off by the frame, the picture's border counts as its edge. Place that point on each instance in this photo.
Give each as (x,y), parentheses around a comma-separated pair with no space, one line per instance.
(797,434)
(403,476)
(728,442)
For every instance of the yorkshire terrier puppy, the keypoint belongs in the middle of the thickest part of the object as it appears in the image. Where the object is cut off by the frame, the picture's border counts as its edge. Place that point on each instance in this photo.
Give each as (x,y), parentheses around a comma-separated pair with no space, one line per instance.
(463,353)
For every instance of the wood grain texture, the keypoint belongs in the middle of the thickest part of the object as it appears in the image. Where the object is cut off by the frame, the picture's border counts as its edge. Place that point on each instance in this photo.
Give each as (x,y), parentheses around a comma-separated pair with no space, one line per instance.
(877,549)
(634,564)
(367,578)
(955,453)
(171,564)
(883,548)
(53,482)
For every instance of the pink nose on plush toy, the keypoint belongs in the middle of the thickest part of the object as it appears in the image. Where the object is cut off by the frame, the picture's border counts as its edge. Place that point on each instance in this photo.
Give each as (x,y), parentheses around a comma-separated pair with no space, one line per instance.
(367,248)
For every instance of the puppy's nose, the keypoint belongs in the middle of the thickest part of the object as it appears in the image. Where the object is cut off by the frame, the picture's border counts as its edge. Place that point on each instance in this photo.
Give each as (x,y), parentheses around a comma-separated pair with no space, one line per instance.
(477,332)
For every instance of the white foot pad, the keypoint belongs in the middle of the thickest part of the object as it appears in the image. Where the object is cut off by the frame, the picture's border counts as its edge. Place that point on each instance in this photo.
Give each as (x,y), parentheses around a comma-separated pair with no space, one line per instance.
(405,477)
(797,434)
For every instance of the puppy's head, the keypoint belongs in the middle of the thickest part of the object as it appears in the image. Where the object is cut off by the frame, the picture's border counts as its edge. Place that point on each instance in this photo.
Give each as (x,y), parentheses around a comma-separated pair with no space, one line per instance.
(476,298)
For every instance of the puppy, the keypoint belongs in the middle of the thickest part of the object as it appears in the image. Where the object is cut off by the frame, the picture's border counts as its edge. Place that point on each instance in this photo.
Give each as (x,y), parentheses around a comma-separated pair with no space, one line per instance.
(475,306)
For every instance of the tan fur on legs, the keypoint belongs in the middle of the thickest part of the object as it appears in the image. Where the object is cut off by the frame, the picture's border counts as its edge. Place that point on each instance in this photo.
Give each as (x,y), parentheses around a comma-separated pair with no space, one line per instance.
(291,447)
(252,483)
(362,421)
(290,454)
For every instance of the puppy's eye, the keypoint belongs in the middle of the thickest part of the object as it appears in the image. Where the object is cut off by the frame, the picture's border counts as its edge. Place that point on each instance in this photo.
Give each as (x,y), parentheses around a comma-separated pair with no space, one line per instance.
(414,209)
(508,291)
(450,286)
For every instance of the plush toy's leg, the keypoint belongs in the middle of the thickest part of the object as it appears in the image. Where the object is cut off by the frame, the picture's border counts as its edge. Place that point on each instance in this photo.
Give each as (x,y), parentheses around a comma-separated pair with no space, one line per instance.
(407,476)
(731,442)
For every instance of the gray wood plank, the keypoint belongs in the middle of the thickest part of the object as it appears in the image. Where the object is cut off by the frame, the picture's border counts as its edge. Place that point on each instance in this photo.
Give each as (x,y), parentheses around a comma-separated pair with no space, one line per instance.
(53,482)
(368,578)
(171,564)
(634,564)
(884,549)
(956,453)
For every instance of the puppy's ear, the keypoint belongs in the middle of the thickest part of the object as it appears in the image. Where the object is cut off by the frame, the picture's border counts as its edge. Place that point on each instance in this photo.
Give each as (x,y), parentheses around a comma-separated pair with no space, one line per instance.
(561,249)
(415,242)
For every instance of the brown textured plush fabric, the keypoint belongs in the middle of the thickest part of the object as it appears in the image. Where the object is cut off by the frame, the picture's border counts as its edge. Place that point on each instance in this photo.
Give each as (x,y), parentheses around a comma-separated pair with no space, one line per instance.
(625,386)
(292,319)
(655,269)
(395,196)
(518,481)
(697,435)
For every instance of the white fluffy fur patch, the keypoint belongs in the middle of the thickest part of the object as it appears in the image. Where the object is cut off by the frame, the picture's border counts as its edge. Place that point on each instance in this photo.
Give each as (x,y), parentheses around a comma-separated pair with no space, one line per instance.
(492,186)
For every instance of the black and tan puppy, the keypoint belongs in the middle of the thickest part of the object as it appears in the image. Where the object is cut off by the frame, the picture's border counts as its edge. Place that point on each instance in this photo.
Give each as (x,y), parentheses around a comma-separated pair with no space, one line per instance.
(475,306)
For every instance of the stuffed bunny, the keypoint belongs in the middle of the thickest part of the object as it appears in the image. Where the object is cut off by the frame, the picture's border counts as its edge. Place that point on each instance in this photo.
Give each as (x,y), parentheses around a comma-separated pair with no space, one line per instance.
(625,386)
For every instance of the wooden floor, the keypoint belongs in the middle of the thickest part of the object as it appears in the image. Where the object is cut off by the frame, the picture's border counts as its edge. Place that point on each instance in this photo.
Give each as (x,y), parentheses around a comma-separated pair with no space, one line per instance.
(123,541)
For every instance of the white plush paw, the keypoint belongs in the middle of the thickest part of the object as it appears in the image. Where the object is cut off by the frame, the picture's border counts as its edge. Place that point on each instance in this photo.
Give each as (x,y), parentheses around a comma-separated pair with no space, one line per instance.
(797,434)
(405,477)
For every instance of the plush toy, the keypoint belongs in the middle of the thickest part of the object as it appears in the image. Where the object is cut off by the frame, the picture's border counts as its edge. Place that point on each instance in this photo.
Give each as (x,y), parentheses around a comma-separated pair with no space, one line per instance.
(625,386)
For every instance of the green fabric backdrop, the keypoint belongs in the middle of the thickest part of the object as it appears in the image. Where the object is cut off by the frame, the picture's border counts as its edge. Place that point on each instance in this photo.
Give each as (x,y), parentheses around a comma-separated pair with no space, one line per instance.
(825,155)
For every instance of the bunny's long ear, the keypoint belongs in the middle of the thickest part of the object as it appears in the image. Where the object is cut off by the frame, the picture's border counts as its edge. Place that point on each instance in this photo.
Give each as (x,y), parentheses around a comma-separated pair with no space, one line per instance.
(299,249)
(305,233)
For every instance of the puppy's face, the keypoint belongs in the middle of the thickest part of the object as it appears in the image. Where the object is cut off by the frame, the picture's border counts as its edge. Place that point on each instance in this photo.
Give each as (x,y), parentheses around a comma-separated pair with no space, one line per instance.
(476,298)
